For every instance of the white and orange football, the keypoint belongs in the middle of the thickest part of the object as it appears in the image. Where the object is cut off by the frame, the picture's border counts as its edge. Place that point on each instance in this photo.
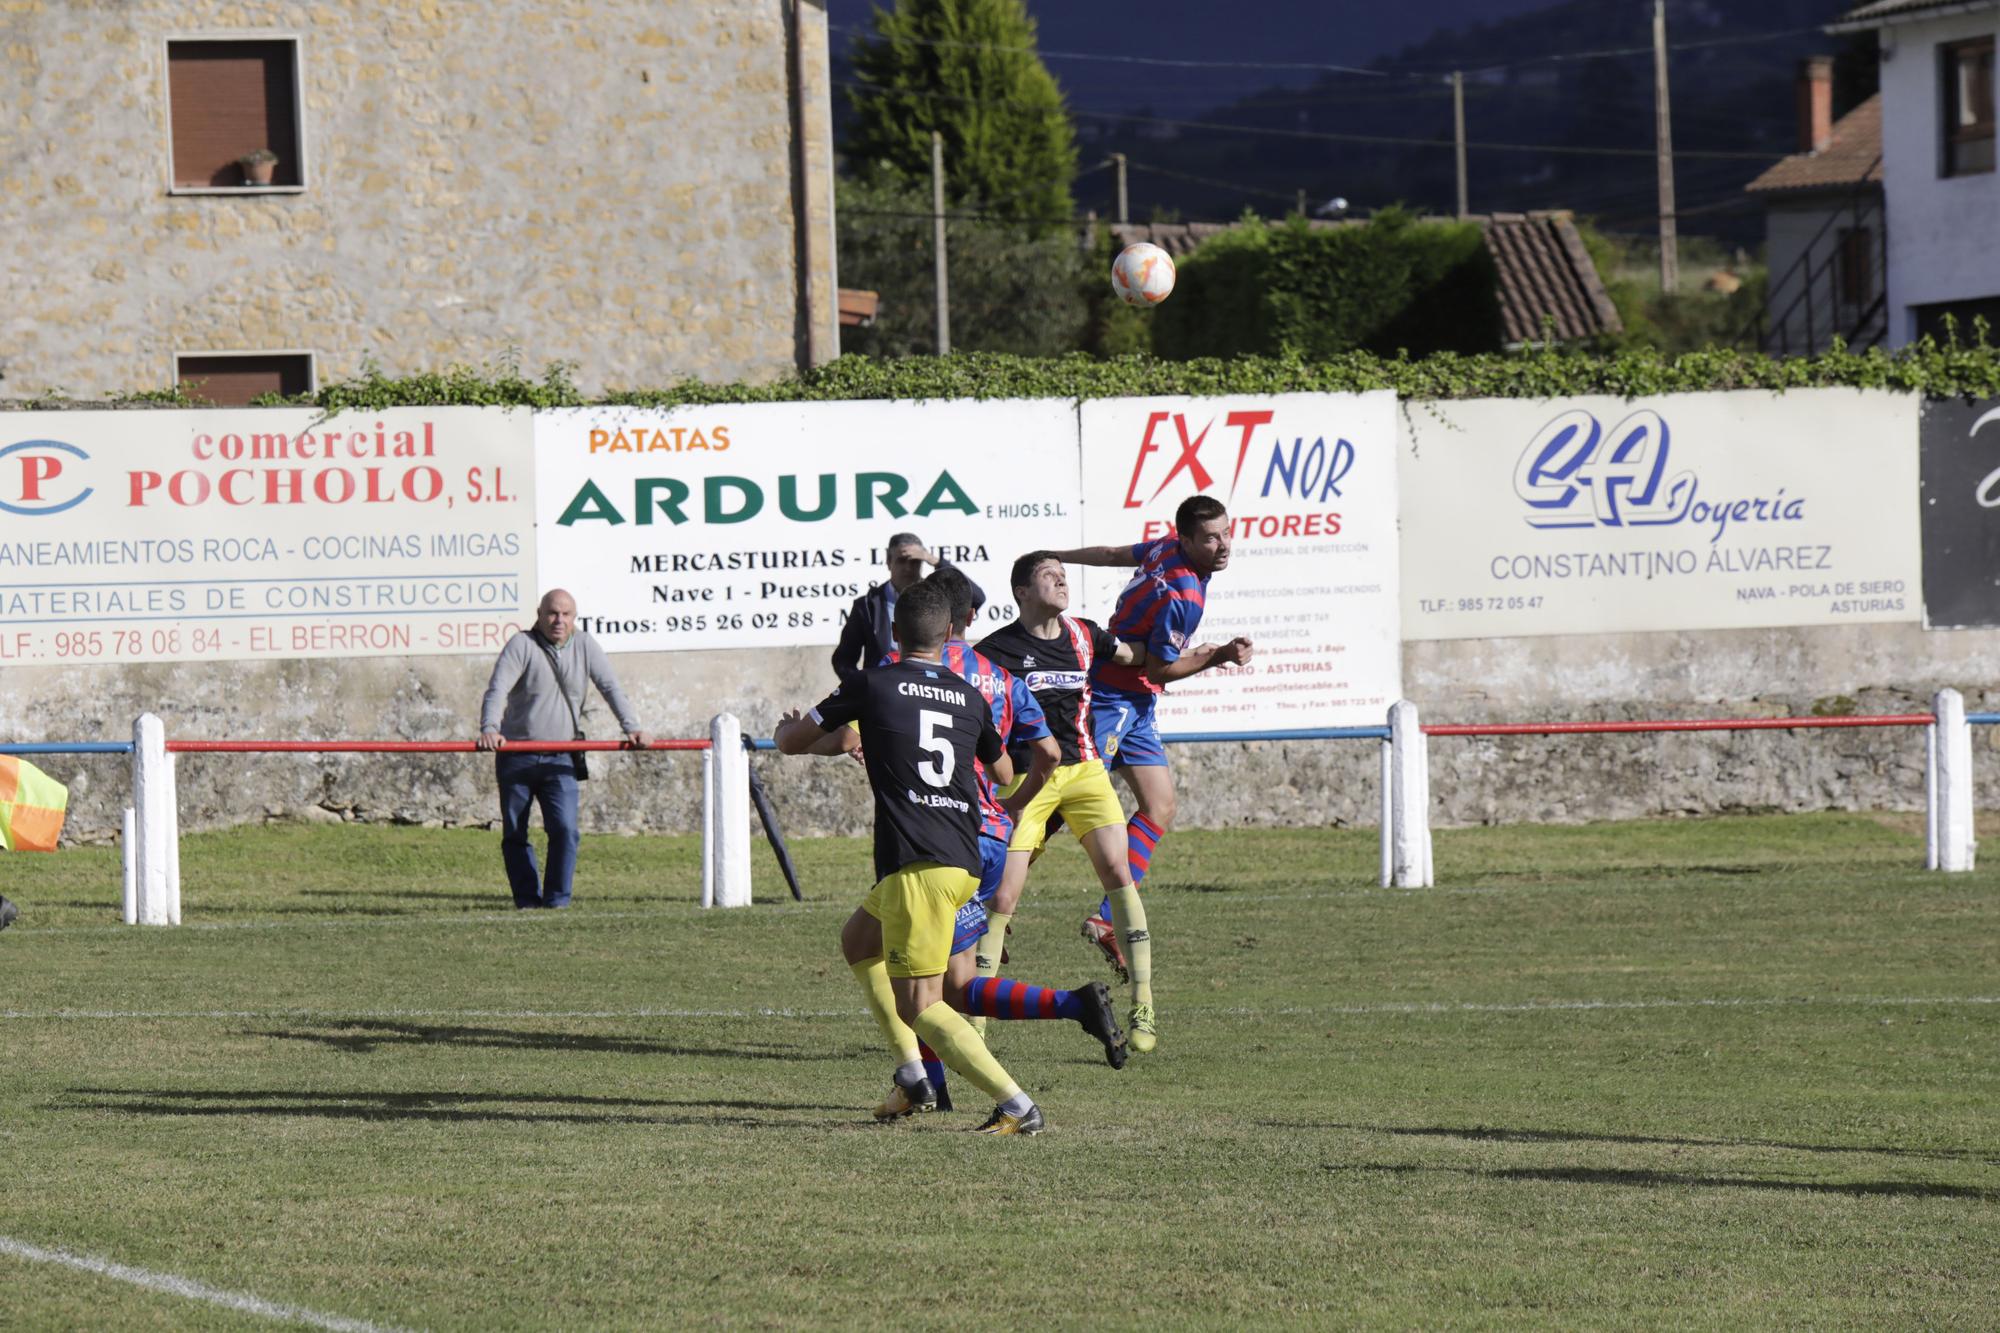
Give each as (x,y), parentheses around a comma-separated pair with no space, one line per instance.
(1143,274)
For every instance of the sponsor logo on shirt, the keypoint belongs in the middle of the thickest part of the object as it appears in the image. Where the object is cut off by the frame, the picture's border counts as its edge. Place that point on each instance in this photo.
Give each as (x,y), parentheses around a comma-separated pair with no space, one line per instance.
(935,801)
(1038,681)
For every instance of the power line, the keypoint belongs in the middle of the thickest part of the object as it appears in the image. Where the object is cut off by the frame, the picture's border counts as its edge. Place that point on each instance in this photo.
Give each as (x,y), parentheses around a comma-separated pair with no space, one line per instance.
(1318,136)
(1288,196)
(1299,66)
(1310,67)
(1562,57)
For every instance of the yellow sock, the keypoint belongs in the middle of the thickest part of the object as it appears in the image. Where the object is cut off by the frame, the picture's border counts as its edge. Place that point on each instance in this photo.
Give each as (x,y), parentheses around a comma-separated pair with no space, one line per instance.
(987,960)
(993,943)
(963,1052)
(1128,914)
(874,978)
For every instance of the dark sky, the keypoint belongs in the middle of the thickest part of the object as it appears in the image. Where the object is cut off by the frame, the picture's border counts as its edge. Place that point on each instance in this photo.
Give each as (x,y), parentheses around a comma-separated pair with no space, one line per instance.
(1267,32)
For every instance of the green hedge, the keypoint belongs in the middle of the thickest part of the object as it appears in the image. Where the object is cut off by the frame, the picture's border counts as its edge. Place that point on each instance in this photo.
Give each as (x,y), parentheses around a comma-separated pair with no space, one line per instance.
(1948,371)
(1260,289)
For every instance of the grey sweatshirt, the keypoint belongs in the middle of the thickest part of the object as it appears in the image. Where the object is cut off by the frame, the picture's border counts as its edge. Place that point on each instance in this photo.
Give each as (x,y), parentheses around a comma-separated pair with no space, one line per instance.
(525,685)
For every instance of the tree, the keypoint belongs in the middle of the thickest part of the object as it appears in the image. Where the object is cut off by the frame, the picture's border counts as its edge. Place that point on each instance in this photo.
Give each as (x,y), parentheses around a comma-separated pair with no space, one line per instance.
(967,69)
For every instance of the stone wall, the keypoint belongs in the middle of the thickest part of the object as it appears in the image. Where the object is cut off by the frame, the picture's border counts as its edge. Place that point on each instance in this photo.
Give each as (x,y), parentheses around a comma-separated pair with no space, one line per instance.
(613,183)
(1887,669)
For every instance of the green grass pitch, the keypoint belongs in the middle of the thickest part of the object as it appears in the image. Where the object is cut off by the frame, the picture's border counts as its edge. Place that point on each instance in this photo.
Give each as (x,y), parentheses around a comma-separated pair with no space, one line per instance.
(1716,1073)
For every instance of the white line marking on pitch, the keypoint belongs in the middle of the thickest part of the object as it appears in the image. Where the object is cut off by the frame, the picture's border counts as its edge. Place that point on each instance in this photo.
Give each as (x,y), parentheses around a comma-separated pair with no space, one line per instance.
(1410,1007)
(1571,1006)
(175,1285)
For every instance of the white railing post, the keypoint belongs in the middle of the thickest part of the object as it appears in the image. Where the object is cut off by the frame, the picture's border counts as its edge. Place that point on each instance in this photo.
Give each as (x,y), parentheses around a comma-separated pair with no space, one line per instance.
(708,840)
(1410,798)
(1953,804)
(128,849)
(1388,814)
(173,804)
(729,840)
(1931,793)
(152,801)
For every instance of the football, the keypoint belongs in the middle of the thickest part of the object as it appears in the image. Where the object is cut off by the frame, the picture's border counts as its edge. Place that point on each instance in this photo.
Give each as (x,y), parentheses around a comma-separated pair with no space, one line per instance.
(1143,274)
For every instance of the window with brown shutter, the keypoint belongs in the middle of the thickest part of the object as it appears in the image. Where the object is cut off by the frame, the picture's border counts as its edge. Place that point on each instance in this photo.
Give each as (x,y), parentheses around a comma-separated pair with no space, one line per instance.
(233,379)
(230,98)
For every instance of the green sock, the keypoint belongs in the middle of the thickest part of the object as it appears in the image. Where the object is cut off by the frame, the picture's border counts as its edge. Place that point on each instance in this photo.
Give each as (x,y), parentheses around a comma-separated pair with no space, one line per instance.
(1128,914)
(874,978)
(963,1052)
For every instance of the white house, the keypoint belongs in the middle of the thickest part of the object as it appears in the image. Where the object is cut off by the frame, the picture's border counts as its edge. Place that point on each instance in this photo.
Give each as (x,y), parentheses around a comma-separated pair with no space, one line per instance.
(1939,184)
(1823,226)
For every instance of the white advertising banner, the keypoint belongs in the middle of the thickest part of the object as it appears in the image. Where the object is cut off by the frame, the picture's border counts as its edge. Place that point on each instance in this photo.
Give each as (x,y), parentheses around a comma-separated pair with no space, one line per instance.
(1693,511)
(758,525)
(215,535)
(1310,484)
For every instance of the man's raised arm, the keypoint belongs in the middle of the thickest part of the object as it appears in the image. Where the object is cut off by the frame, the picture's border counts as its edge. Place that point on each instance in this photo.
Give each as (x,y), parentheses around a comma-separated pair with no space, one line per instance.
(1237,652)
(1120,556)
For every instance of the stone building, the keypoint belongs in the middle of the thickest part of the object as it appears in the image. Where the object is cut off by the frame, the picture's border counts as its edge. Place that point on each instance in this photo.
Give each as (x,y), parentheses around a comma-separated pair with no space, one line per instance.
(643,188)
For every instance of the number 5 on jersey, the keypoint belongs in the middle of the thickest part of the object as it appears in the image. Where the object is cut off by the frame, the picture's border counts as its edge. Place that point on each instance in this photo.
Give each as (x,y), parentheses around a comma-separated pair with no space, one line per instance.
(931,723)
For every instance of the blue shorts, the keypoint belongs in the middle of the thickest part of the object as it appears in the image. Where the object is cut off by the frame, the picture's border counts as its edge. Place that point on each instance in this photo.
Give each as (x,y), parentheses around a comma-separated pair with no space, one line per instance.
(1127,729)
(971,924)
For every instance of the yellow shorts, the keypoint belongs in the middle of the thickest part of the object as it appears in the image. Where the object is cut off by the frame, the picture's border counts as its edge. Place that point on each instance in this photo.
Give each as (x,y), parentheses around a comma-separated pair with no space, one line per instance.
(917,907)
(1082,792)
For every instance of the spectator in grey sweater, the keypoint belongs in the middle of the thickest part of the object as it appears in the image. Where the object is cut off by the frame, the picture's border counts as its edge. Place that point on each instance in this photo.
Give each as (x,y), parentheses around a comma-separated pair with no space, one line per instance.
(539,691)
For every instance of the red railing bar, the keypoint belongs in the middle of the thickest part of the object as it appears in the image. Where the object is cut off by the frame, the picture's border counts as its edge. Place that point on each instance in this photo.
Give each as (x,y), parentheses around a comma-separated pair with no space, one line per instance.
(1686,724)
(1436,729)
(412,747)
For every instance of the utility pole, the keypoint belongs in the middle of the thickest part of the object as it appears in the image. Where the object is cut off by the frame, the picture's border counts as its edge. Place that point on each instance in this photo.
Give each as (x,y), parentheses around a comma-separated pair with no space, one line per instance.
(1124,210)
(1302,201)
(1670,259)
(1458,124)
(937,232)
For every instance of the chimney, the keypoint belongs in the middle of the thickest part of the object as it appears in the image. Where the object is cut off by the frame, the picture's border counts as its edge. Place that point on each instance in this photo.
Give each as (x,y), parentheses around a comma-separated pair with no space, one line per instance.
(1815,103)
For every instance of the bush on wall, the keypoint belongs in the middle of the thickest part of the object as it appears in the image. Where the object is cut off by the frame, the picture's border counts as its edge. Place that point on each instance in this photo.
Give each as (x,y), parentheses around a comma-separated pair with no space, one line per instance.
(1394,282)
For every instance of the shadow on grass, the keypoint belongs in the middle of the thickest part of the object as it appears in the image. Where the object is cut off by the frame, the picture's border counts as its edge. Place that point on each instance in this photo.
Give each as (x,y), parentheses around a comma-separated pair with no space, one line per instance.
(361,1036)
(491,900)
(1494,1134)
(1586,1175)
(451,1107)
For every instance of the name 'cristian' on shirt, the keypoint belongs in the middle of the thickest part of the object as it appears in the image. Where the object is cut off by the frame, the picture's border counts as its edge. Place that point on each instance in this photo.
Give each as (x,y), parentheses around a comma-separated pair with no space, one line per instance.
(937,692)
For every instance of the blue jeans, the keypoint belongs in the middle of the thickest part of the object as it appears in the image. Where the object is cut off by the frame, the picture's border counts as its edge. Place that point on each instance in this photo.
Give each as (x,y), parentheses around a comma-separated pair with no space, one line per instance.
(526,779)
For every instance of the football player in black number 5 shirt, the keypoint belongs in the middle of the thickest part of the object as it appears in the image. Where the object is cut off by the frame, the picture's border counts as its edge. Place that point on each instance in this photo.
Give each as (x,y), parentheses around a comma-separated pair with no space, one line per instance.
(922,725)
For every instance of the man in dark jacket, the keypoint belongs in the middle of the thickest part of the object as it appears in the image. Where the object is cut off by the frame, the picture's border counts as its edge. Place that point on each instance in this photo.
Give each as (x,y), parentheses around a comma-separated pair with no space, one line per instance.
(867,637)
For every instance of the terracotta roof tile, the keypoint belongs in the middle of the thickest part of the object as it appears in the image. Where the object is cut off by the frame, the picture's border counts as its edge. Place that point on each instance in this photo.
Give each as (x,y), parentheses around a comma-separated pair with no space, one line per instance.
(1546,279)
(1852,156)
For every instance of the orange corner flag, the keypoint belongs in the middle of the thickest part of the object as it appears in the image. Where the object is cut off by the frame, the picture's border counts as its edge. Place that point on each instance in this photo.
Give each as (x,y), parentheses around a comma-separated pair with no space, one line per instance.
(32,805)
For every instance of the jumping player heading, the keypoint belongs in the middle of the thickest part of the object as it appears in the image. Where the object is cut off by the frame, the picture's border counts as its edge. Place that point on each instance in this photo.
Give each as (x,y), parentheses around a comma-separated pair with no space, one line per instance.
(1159,611)
(1054,653)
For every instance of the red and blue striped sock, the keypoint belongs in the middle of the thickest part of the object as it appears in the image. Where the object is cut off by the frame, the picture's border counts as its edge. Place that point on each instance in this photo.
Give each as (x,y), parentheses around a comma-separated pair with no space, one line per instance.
(1003,997)
(1142,837)
(934,1071)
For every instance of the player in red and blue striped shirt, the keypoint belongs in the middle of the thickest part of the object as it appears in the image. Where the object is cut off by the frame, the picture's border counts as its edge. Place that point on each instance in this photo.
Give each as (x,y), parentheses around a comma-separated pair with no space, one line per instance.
(1159,611)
